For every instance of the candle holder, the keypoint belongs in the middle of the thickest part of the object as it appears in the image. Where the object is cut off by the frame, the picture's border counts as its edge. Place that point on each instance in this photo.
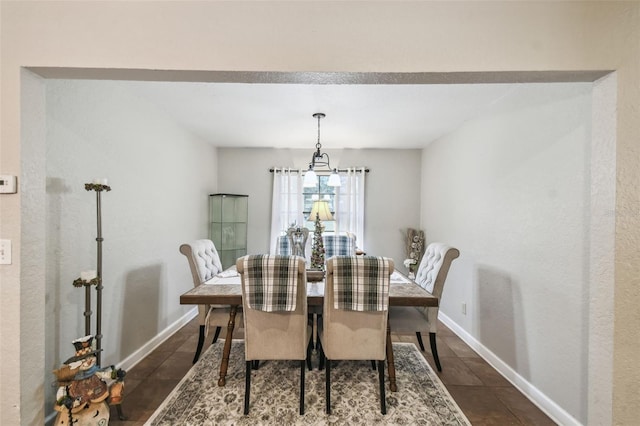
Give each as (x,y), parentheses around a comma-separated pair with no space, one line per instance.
(94,278)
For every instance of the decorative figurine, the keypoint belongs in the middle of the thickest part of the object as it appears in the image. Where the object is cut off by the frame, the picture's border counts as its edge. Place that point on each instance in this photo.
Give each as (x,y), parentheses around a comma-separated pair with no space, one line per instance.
(298,239)
(84,387)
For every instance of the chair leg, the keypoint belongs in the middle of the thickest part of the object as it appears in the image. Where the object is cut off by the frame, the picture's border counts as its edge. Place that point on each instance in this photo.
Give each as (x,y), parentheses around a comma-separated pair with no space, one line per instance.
(302,368)
(200,343)
(327,388)
(434,350)
(309,351)
(419,336)
(311,322)
(255,364)
(321,356)
(373,365)
(383,399)
(247,387)
(216,334)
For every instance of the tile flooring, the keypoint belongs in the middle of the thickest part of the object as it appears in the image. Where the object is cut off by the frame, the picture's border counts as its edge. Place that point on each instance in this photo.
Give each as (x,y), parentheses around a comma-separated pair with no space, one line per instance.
(484,396)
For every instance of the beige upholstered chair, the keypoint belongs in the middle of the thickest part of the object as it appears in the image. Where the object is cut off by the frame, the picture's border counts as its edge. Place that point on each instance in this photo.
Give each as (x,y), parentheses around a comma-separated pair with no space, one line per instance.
(204,263)
(431,276)
(275,328)
(355,331)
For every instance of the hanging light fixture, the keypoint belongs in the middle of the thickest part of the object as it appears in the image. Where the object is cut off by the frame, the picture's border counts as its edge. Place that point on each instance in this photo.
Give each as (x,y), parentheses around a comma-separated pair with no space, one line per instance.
(320,159)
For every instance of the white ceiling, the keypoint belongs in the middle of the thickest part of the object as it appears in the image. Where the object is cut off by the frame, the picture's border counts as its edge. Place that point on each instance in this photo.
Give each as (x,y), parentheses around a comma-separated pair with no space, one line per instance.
(357,115)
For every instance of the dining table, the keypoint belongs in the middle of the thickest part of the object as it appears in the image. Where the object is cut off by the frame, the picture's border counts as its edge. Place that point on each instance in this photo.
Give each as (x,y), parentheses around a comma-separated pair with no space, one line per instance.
(225,289)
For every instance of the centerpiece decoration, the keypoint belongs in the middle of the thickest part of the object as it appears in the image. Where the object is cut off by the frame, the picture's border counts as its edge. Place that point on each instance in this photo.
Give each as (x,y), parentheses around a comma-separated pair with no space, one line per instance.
(317,250)
(319,211)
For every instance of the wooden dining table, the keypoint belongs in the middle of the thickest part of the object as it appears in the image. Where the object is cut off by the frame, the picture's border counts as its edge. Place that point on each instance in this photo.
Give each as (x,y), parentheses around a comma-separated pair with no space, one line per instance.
(226,290)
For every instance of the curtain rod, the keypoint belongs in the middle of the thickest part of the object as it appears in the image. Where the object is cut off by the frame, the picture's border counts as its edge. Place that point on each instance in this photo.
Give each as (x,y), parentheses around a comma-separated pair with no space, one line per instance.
(359,169)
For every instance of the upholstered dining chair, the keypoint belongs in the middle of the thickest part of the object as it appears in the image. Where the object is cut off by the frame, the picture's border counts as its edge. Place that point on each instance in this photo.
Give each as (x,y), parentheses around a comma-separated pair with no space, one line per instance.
(274,303)
(354,320)
(431,275)
(204,263)
(343,244)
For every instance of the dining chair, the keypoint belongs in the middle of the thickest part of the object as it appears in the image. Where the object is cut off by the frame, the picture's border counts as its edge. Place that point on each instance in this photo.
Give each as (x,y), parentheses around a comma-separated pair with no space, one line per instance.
(431,275)
(343,244)
(283,246)
(204,263)
(354,320)
(274,302)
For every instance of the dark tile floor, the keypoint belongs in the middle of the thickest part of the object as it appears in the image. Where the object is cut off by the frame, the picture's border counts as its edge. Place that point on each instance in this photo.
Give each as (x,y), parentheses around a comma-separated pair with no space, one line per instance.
(484,396)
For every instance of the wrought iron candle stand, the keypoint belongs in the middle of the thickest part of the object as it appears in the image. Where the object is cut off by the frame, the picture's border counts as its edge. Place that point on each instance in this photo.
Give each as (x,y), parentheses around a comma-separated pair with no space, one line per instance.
(90,278)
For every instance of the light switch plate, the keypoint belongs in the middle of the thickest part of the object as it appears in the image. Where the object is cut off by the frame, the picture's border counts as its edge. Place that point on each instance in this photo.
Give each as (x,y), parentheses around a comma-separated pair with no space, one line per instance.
(5,252)
(8,184)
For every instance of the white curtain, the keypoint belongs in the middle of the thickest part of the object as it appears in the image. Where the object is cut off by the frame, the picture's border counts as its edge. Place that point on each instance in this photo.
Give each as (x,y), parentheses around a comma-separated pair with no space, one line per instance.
(286,204)
(350,204)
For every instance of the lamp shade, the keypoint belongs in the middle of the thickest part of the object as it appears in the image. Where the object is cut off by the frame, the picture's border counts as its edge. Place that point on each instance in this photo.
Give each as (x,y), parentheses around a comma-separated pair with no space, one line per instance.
(321,208)
(334,179)
(310,179)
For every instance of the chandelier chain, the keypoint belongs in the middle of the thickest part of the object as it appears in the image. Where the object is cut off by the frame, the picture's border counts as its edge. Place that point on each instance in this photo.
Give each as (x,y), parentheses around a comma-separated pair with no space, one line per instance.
(318,145)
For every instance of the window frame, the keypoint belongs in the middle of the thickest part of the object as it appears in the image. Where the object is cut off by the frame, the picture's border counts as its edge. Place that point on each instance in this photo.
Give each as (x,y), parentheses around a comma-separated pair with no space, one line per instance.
(322,191)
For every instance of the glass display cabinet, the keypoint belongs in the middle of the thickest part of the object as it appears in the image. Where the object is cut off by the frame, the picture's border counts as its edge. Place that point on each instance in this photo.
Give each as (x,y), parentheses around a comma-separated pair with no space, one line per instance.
(228,214)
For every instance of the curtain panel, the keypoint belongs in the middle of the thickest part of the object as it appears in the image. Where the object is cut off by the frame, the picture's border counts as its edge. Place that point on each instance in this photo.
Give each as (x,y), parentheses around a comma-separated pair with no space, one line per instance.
(350,203)
(286,204)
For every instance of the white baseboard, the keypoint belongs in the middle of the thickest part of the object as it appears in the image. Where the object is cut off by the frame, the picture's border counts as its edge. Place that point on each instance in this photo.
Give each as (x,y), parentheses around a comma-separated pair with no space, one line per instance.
(130,361)
(550,408)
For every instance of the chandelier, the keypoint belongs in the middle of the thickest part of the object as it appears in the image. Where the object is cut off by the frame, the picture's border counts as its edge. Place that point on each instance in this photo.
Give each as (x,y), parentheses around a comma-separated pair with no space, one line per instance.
(319,159)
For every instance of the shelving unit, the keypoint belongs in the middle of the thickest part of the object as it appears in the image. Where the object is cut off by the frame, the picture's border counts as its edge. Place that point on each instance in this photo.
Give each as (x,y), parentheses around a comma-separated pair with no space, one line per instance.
(228,215)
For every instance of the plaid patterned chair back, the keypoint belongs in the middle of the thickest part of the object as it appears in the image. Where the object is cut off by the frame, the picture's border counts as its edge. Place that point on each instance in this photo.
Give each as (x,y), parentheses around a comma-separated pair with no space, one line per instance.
(339,245)
(283,246)
(268,282)
(361,283)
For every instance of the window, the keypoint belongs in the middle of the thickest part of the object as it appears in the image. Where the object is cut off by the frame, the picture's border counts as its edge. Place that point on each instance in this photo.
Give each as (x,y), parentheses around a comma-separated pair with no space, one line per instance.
(319,192)
(291,203)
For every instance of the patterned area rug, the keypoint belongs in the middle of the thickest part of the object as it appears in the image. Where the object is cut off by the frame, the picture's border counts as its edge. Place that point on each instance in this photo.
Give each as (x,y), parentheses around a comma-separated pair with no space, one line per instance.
(198,400)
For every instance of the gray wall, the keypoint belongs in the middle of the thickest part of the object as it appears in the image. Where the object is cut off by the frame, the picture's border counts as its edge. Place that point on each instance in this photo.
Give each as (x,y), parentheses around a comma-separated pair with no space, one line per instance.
(516,202)
(160,178)
(392,194)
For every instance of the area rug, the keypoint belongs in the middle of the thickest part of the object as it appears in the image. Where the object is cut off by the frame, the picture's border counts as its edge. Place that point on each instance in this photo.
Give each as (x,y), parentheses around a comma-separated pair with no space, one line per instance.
(421,398)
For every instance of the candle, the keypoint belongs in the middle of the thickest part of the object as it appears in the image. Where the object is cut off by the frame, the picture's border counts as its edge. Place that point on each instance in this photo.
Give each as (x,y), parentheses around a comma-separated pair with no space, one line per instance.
(87,276)
(100,181)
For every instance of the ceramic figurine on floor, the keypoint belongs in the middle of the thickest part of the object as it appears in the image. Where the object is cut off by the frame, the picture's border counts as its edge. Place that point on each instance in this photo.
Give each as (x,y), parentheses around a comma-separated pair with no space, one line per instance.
(84,387)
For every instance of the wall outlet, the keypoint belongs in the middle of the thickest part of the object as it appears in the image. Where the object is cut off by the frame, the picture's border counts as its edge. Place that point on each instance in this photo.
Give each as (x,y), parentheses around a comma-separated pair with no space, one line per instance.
(5,252)
(8,184)
(464,308)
